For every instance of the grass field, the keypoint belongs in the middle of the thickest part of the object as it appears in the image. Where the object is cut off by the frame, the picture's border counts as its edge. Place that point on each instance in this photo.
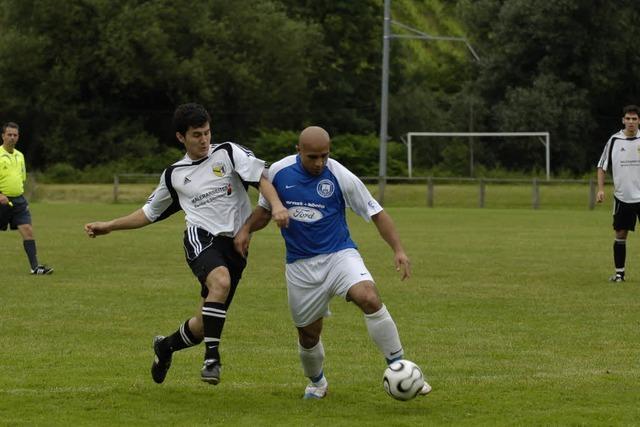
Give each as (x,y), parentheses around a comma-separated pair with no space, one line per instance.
(509,314)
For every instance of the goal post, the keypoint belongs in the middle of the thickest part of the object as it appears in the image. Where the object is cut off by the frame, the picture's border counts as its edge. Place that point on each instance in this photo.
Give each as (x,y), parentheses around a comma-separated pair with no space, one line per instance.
(543,136)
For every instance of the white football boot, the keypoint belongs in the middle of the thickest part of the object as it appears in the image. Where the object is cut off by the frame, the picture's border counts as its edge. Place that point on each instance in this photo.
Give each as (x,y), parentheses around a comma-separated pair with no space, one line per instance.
(316,390)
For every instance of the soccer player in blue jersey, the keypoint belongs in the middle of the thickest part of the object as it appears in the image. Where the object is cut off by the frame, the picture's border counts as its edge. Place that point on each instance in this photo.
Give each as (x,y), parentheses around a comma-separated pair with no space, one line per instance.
(621,154)
(210,185)
(322,260)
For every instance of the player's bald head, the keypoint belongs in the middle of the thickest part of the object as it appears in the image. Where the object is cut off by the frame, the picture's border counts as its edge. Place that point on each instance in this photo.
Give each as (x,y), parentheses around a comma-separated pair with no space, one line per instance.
(314,138)
(314,145)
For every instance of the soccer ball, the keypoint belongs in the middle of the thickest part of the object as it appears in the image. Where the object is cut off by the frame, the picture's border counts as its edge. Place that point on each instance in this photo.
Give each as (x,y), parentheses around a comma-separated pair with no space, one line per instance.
(402,380)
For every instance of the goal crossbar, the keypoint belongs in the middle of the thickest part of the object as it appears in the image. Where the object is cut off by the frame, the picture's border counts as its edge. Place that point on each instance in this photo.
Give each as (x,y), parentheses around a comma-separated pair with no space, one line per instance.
(544,138)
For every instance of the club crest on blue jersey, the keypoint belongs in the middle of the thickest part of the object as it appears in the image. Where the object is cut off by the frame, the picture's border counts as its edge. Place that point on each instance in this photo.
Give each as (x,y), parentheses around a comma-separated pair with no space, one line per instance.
(325,188)
(219,170)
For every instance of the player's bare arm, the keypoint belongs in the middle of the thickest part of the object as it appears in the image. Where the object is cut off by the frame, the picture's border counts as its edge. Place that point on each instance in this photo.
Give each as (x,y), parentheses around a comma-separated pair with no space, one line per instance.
(258,220)
(387,230)
(279,213)
(135,219)
(600,193)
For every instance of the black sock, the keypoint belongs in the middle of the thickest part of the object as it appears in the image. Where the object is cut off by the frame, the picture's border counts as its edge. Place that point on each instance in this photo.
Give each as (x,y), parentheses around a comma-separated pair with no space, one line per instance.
(619,255)
(180,339)
(213,317)
(30,249)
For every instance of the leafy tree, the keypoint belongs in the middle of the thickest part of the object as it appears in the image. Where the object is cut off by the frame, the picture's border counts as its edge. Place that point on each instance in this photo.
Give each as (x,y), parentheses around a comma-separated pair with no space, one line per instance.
(561,66)
(96,81)
(262,61)
(96,74)
(272,145)
(344,83)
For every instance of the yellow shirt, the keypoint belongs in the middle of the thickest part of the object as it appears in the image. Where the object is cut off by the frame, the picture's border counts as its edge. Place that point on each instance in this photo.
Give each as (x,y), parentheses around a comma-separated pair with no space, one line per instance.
(13,173)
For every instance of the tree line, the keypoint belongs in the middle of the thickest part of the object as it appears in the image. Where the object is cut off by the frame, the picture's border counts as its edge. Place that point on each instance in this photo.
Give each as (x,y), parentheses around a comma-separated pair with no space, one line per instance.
(94,82)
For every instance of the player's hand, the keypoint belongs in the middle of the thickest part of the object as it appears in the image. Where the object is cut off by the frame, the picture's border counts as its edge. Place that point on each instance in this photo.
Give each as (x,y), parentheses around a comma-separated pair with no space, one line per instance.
(281,216)
(241,242)
(4,200)
(600,196)
(403,265)
(94,229)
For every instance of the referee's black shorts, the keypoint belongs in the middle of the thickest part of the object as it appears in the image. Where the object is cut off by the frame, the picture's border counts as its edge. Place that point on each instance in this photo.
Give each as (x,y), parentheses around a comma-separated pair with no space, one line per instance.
(15,215)
(625,215)
(205,252)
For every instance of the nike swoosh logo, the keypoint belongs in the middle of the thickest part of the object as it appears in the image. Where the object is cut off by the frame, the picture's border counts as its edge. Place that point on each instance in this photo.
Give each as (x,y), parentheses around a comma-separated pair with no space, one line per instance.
(363,274)
(396,352)
(289,186)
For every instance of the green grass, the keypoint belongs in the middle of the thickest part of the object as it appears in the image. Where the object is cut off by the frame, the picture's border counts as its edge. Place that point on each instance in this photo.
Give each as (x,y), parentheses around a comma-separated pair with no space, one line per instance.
(509,313)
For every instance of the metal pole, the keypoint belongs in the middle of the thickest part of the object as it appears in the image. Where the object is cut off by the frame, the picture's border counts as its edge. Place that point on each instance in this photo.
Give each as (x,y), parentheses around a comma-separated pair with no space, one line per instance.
(471,161)
(382,171)
(548,158)
(409,159)
(430,192)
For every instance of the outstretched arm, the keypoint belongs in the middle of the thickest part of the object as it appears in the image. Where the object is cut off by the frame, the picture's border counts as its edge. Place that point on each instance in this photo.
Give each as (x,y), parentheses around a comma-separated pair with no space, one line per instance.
(135,219)
(388,232)
(258,220)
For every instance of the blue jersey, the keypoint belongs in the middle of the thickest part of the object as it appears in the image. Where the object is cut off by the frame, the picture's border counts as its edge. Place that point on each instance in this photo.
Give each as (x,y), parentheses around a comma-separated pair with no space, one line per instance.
(317,206)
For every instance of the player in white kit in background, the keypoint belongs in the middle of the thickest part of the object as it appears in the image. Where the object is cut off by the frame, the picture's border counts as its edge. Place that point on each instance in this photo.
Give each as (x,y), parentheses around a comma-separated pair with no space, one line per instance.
(621,154)
(322,260)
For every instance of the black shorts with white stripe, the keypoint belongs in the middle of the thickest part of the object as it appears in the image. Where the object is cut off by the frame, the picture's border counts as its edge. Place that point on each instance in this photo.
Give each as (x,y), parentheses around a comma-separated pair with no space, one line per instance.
(625,215)
(205,252)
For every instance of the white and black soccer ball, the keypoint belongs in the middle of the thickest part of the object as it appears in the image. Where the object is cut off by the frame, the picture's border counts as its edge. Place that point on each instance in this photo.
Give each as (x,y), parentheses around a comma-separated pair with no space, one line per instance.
(402,380)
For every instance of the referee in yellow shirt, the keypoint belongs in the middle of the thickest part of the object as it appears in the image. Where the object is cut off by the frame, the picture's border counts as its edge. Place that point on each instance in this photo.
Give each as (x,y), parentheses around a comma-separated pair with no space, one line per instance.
(14,209)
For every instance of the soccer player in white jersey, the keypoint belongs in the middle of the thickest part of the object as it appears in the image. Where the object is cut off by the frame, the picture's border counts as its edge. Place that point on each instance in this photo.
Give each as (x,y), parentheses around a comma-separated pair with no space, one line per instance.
(209,184)
(622,155)
(321,258)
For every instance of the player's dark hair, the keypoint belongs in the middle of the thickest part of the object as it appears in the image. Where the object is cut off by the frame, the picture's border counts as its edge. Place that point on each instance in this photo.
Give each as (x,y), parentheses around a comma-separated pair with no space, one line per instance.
(10,125)
(631,109)
(189,115)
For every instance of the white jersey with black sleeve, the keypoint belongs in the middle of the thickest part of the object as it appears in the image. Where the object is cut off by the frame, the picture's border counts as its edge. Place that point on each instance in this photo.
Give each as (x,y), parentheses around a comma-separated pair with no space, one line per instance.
(212,191)
(622,154)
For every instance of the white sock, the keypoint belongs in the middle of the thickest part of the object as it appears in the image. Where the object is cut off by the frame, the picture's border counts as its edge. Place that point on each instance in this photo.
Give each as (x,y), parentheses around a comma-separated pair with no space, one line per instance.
(382,329)
(312,360)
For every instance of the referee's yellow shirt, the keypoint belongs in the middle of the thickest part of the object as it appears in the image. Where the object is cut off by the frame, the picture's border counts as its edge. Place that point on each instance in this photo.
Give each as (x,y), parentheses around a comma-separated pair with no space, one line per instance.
(13,172)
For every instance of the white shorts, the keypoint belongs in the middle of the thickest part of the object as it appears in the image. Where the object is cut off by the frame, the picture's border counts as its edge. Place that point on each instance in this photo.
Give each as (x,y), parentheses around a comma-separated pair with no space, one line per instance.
(312,282)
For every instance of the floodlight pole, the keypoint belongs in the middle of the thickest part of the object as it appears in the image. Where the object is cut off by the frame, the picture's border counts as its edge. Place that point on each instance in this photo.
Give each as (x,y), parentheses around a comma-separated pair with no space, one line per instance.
(384,98)
(384,101)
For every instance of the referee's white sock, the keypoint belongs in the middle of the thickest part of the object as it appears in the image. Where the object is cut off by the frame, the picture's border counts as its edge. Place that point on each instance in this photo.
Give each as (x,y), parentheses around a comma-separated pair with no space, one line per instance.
(382,329)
